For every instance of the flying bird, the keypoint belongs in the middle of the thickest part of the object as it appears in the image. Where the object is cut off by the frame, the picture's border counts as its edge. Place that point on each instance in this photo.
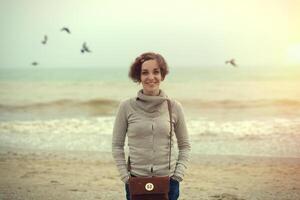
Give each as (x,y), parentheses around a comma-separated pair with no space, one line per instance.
(85,48)
(66,29)
(45,39)
(34,63)
(232,62)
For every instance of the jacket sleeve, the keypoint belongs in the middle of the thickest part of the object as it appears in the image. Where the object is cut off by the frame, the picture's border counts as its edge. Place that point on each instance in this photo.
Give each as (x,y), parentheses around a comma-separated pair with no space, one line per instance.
(118,140)
(183,143)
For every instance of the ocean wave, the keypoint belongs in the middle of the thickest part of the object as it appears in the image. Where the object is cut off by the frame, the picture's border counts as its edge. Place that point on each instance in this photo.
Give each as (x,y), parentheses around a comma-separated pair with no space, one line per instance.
(242,104)
(68,108)
(243,128)
(251,137)
(60,103)
(197,127)
(58,109)
(95,103)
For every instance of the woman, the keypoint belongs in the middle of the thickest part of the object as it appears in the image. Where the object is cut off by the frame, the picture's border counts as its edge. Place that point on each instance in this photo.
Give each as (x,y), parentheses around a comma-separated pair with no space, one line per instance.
(145,121)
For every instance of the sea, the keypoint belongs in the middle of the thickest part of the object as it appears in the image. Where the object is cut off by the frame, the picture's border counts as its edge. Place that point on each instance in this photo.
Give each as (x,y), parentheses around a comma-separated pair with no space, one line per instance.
(228,111)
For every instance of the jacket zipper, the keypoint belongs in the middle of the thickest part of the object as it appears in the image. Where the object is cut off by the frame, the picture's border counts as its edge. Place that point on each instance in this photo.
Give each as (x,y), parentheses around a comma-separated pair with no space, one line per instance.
(152,166)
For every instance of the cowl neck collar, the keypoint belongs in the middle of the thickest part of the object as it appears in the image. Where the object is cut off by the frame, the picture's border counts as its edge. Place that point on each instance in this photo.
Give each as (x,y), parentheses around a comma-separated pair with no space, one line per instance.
(150,104)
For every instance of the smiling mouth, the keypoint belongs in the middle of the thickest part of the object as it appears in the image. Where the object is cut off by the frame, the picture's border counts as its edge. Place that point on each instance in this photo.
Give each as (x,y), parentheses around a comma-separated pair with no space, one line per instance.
(151,84)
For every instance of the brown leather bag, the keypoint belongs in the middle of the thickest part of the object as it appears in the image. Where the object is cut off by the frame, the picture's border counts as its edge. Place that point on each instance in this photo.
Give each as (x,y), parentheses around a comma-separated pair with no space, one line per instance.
(151,188)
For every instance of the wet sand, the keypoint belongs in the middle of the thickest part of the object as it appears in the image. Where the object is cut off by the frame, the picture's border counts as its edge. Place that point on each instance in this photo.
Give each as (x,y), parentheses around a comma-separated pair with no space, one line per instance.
(92,175)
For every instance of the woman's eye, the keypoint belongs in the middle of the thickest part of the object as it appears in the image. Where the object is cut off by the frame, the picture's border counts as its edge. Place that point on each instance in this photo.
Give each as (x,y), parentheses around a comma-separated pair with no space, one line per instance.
(144,73)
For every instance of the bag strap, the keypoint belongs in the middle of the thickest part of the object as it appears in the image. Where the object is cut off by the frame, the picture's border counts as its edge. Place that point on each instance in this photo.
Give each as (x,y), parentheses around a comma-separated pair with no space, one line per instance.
(170,136)
(171,130)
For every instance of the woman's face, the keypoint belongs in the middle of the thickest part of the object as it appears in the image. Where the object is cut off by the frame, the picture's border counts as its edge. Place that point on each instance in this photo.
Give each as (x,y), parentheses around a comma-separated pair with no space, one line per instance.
(150,77)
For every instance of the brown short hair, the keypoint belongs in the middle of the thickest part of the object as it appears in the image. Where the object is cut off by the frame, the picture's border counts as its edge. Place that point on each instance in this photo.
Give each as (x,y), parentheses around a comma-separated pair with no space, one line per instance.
(136,67)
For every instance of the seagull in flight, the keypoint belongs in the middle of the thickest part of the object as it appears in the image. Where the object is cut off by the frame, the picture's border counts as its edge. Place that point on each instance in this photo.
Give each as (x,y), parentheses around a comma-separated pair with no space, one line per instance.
(232,62)
(45,39)
(85,48)
(66,29)
(34,63)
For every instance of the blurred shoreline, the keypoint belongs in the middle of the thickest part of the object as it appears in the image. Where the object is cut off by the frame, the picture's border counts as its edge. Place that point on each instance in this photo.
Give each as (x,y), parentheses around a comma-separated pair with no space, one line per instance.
(276,137)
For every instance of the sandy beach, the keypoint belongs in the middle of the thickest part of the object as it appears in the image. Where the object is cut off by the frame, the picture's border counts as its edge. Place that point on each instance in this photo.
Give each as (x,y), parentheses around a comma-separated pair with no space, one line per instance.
(93,175)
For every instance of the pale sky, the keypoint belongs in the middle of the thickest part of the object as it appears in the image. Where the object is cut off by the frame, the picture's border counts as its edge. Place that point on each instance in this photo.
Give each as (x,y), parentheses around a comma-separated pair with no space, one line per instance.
(193,33)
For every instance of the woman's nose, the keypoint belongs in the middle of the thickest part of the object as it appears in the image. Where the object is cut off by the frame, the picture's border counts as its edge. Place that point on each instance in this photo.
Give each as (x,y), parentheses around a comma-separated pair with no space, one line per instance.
(151,76)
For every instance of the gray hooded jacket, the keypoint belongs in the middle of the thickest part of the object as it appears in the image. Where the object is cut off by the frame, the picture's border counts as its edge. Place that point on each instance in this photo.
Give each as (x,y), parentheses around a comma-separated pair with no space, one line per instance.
(145,121)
